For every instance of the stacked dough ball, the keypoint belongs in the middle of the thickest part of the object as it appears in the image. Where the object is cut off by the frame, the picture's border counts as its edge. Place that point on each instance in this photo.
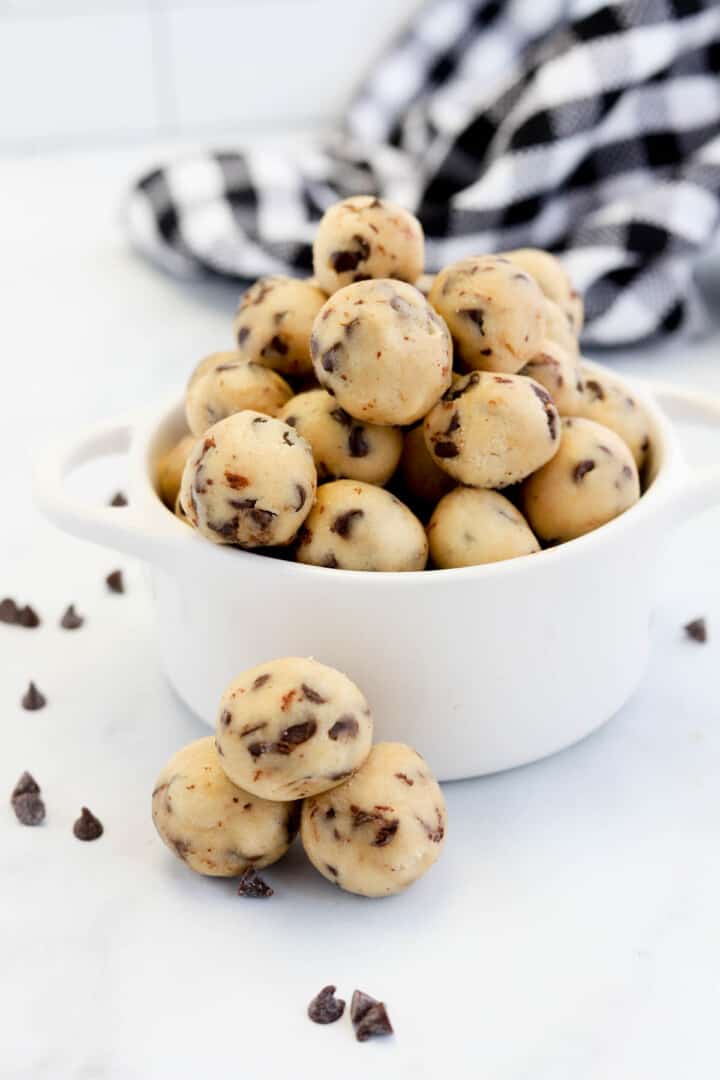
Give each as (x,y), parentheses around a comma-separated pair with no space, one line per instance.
(375,416)
(293,748)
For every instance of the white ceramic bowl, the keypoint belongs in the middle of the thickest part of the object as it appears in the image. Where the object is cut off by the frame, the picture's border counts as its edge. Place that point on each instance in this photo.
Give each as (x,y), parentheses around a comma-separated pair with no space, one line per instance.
(480,668)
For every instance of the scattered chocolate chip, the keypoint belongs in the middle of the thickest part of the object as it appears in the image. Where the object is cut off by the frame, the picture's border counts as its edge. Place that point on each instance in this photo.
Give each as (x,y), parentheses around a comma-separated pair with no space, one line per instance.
(29,808)
(26,785)
(331,562)
(344,261)
(275,347)
(181,848)
(582,468)
(361,817)
(343,523)
(226,717)
(596,390)
(114,582)
(8,611)
(312,695)
(385,833)
(351,327)
(87,826)
(252,885)
(346,727)
(257,749)
(405,779)
(260,420)
(242,334)
(627,472)
(27,617)
(455,392)
(263,518)
(119,499)
(235,480)
(476,316)
(341,775)
(369,1017)
(331,357)
(291,420)
(550,410)
(454,424)
(697,630)
(301,495)
(296,734)
(325,1008)
(288,439)
(249,730)
(32,699)
(342,417)
(333,869)
(71,620)
(445,449)
(502,379)
(261,680)
(357,442)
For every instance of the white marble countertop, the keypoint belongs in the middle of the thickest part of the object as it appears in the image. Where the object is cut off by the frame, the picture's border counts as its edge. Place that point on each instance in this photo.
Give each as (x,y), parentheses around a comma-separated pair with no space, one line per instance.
(570,931)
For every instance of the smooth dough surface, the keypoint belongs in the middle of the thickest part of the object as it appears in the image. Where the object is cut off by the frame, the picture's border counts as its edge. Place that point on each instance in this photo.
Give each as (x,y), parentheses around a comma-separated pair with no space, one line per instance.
(608,401)
(208,363)
(494,311)
(215,827)
(591,480)
(367,237)
(343,446)
(423,480)
(250,480)
(170,469)
(274,320)
(380,831)
(553,279)
(558,328)
(230,387)
(291,728)
(357,526)
(493,430)
(471,526)
(557,369)
(382,351)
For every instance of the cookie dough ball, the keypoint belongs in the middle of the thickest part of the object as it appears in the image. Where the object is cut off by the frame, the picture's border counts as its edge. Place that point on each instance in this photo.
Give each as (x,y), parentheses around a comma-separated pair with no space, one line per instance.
(553,279)
(558,371)
(209,363)
(356,526)
(215,827)
(421,478)
(273,323)
(382,830)
(558,329)
(366,237)
(291,728)
(471,526)
(250,481)
(231,387)
(170,469)
(424,284)
(341,445)
(608,401)
(591,479)
(490,431)
(495,312)
(381,350)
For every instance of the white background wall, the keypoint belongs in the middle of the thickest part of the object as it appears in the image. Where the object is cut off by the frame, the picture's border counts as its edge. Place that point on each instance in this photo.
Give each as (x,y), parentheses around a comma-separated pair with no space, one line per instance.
(92,72)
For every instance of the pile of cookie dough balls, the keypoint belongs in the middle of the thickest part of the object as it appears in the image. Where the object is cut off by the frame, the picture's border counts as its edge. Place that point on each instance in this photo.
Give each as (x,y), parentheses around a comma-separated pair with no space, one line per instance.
(293,750)
(379,418)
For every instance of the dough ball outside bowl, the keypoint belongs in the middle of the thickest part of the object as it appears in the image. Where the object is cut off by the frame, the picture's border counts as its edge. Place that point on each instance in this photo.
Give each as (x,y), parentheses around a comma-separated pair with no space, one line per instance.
(471,526)
(291,728)
(367,237)
(423,480)
(215,827)
(380,831)
(273,323)
(557,369)
(231,387)
(341,445)
(170,467)
(492,430)
(381,350)
(591,480)
(250,480)
(357,526)
(494,311)
(608,401)
(553,279)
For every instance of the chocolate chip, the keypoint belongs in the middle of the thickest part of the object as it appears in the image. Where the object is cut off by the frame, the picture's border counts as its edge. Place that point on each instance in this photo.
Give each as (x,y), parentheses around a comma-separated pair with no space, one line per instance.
(252,729)
(434,833)
(261,680)
(501,379)
(333,869)
(263,518)
(627,472)
(257,749)
(342,417)
(361,817)
(242,334)
(312,695)
(71,620)
(291,421)
(330,813)
(241,504)
(582,468)
(344,261)
(374,204)
(405,779)
(385,833)
(301,496)
(226,717)
(325,1008)
(114,582)
(445,450)
(32,699)
(296,734)
(351,327)
(27,617)
(400,304)
(29,808)
(331,562)
(476,316)
(343,523)
(454,424)
(253,886)
(288,439)
(235,480)
(357,443)
(596,390)
(87,826)
(340,775)
(331,356)
(260,420)
(457,391)
(181,848)
(274,347)
(345,727)
(697,630)
(119,499)
(369,1017)
(8,611)
(550,410)
(26,785)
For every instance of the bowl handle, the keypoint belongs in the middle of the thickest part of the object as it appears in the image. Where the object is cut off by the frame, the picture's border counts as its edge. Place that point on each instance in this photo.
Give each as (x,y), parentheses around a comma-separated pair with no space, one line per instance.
(124,527)
(701,490)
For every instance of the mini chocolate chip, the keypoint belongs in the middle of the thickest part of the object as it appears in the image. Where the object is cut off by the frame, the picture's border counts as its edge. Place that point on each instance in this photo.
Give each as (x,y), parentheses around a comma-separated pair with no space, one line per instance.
(8,611)
(357,442)
(344,261)
(252,729)
(114,582)
(627,472)
(181,848)
(29,808)
(351,327)
(87,826)
(241,504)
(242,334)
(550,410)
(257,749)
(385,833)
(697,630)
(330,562)
(226,717)
(71,620)
(457,391)
(291,421)
(235,480)
(297,734)
(454,424)
(369,1017)
(343,523)
(263,518)
(332,869)
(445,450)
(486,352)
(582,468)
(476,316)
(261,680)
(405,779)
(342,417)
(32,699)
(596,390)
(301,495)
(260,420)
(312,695)
(26,785)
(331,357)
(275,346)
(501,379)
(27,617)
(118,499)
(361,817)
(340,775)
(400,304)
(288,439)
(345,727)
(253,886)
(325,1008)
(330,813)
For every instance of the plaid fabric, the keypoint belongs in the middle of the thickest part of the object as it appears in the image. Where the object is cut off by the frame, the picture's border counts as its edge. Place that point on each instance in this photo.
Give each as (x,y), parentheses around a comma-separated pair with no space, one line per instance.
(589,129)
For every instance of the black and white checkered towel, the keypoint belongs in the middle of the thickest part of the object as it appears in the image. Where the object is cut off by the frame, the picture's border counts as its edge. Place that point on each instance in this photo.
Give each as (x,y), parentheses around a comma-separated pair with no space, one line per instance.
(588,128)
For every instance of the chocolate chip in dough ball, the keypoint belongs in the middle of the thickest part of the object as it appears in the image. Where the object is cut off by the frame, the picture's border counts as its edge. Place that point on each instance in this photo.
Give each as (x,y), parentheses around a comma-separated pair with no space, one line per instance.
(557,369)
(380,831)
(250,480)
(553,279)
(491,430)
(423,480)
(341,445)
(356,526)
(291,728)
(608,401)
(170,469)
(495,312)
(273,323)
(231,387)
(381,350)
(367,237)
(471,526)
(591,480)
(213,360)
(215,827)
